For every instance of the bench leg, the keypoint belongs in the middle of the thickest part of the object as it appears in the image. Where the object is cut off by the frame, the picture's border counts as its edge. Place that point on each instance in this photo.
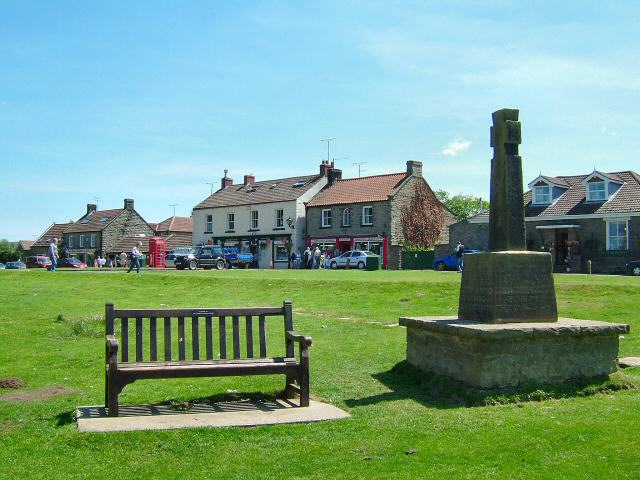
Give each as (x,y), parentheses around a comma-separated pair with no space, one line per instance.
(113,390)
(288,391)
(304,387)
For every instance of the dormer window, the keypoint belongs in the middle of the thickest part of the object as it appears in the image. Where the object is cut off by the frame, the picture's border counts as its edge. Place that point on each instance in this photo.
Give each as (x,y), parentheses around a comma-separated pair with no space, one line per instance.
(596,191)
(542,194)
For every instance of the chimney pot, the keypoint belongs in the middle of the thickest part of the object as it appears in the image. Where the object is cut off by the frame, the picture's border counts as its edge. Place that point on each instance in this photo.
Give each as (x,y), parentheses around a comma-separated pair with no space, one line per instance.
(128,203)
(225,181)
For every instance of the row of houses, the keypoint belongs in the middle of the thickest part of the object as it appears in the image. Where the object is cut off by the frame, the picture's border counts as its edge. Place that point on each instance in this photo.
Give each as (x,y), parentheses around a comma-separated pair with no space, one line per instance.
(586,221)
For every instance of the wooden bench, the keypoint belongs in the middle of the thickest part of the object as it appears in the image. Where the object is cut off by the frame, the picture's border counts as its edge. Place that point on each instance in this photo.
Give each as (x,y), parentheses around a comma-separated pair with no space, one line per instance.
(146,364)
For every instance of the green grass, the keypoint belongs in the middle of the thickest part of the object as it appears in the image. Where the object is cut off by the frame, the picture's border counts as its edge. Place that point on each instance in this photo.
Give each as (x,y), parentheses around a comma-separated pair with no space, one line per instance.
(51,334)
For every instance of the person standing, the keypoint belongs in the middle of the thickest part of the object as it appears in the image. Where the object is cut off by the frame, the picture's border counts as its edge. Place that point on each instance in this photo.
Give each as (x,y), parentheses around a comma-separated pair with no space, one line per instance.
(306,259)
(316,258)
(123,260)
(135,257)
(53,253)
(460,255)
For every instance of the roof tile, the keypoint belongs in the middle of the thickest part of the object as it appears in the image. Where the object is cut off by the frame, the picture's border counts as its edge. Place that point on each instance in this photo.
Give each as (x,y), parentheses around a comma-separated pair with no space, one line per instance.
(377,188)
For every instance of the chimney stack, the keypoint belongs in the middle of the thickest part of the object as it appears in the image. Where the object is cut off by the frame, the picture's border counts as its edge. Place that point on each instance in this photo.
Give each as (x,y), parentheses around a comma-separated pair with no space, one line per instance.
(414,167)
(249,179)
(91,207)
(325,166)
(335,174)
(128,203)
(225,181)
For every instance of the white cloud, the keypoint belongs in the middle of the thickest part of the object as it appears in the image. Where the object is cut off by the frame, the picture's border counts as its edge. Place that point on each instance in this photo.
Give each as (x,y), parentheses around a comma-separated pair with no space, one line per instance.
(456,146)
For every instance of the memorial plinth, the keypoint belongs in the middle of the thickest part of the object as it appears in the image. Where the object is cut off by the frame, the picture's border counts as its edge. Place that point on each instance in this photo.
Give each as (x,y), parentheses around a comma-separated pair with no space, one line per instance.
(505,355)
(507,331)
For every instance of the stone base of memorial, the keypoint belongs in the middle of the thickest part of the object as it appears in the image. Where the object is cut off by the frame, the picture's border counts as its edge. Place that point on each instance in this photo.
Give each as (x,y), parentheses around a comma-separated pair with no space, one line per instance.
(504,355)
(508,287)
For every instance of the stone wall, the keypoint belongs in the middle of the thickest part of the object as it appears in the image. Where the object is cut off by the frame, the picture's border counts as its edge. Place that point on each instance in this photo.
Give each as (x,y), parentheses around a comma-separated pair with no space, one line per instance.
(380,226)
(128,223)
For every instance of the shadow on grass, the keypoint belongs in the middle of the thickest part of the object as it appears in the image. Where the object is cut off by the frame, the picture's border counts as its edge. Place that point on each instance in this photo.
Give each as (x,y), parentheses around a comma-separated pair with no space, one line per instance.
(432,390)
(65,418)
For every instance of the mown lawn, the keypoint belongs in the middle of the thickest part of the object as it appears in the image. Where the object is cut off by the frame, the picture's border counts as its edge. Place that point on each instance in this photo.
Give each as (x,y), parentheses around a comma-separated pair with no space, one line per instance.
(51,333)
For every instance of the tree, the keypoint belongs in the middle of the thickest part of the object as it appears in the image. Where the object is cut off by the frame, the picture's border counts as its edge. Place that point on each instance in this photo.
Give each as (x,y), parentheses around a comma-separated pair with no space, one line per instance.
(8,252)
(462,206)
(422,218)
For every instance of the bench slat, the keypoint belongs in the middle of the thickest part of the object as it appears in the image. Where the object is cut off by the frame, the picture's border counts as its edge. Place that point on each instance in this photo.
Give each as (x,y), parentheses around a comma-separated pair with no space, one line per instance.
(182,350)
(125,339)
(167,338)
(262,332)
(189,312)
(239,361)
(223,336)
(195,337)
(209,336)
(139,339)
(153,339)
(236,336)
(249,333)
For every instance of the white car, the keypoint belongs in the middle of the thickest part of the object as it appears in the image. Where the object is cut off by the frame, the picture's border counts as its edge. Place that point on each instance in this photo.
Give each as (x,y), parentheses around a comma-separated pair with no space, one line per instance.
(170,259)
(351,259)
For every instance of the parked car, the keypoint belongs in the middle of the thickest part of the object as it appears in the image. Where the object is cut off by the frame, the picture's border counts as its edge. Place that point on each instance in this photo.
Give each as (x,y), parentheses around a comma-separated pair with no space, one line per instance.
(1,266)
(15,266)
(206,256)
(234,258)
(170,258)
(71,263)
(633,268)
(351,259)
(450,262)
(38,261)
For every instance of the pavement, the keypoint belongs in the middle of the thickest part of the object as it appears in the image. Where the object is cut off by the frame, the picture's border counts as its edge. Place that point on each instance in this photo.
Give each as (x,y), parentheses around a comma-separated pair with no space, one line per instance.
(222,414)
(628,362)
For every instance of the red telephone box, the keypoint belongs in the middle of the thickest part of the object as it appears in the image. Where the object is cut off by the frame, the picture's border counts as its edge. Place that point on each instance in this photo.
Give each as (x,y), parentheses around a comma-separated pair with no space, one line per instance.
(157,250)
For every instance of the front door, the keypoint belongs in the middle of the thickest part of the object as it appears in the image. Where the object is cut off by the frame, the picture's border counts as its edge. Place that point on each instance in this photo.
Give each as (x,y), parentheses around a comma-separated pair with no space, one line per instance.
(562,237)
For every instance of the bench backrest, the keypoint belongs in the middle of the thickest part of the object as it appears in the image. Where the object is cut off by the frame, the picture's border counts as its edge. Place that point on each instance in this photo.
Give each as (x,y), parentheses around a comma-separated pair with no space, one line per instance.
(197,317)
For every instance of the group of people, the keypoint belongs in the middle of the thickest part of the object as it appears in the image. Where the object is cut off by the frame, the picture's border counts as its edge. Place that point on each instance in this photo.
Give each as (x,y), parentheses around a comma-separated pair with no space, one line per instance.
(311,259)
(99,261)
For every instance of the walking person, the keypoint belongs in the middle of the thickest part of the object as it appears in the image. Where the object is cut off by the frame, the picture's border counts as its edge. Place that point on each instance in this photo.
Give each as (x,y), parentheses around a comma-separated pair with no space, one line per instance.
(460,255)
(53,253)
(135,257)
(306,258)
(316,258)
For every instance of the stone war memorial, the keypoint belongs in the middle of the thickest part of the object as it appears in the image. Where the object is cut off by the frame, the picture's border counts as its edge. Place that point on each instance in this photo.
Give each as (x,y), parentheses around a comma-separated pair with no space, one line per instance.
(507,331)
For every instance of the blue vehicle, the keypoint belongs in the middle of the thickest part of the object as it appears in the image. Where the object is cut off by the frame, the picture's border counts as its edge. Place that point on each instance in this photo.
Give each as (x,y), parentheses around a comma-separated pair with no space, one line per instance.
(233,258)
(450,262)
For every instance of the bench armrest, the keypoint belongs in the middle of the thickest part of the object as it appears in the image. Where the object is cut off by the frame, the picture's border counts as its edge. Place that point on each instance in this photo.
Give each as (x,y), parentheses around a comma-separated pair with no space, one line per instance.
(304,340)
(112,344)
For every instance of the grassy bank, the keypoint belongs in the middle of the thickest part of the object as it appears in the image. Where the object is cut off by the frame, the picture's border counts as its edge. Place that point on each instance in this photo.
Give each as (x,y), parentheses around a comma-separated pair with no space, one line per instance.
(51,334)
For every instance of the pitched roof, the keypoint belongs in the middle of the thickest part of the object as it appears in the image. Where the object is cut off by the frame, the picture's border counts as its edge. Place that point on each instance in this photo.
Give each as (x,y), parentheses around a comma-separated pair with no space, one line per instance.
(556,180)
(94,221)
(376,188)
(125,244)
(54,231)
(25,245)
(175,224)
(573,201)
(268,191)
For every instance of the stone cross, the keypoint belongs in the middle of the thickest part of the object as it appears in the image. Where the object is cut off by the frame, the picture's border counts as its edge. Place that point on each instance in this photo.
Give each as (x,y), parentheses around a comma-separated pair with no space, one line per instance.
(506,216)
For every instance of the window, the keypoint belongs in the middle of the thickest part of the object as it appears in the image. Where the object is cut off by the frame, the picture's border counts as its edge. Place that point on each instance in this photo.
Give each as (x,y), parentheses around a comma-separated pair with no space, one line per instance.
(542,195)
(81,241)
(596,191)
(346,217)
(92,240)
(70,239)
(367,215)
(231,221)
(279,218)
(617,235)
(254,219)
(326,217)
(209,227)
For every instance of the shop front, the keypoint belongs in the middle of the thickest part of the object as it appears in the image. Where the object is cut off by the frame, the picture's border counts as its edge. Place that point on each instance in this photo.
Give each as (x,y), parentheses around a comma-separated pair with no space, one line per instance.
(377,244)
(269,251)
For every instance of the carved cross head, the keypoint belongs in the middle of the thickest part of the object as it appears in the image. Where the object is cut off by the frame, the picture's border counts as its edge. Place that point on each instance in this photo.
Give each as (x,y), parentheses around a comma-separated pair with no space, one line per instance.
(505,133)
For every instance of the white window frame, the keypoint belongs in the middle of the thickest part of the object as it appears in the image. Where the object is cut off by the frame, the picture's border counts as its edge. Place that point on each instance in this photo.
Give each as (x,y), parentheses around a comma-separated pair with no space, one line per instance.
(208,223)
(92,240)
(81,242)
(346,217)
(254,220)
(326,217)
(540,198)
(231,221)
(367,219)
(609,237)
(590,192)
(279,218)
(70,239)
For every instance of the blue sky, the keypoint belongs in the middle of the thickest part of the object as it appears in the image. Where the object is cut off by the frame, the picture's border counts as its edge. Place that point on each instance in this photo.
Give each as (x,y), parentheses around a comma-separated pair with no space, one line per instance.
(151,100)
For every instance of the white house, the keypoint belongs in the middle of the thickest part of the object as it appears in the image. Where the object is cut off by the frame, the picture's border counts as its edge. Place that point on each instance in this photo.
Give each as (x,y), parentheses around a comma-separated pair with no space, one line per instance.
(266,218)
